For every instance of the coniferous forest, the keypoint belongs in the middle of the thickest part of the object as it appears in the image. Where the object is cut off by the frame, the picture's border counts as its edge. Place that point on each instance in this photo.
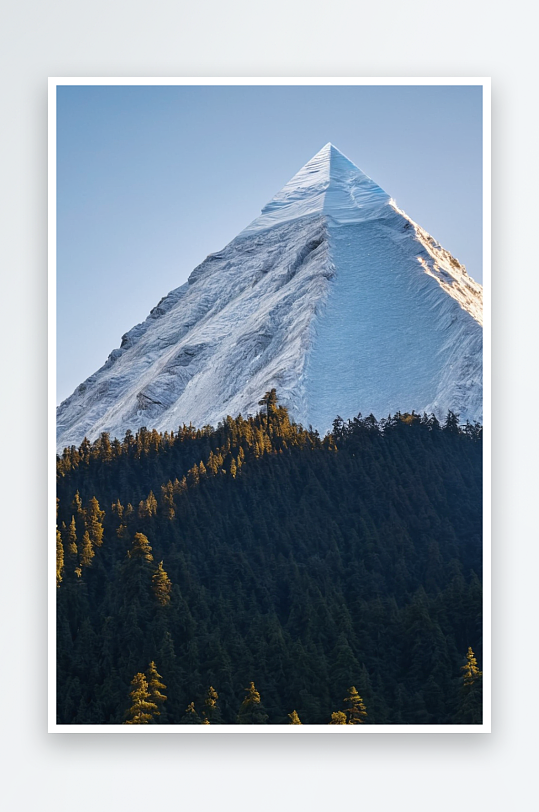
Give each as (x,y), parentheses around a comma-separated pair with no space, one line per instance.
(258,573)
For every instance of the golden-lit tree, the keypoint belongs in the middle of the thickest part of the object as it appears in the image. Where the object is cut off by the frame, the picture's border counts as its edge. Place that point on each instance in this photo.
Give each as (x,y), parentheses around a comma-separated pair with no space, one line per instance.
(211,712)
(470,671)
(155,687)
(87,551)
(338,718)
(141,548)
(161,585)
(59,558)
(142,709)
(354,707)
(252,712)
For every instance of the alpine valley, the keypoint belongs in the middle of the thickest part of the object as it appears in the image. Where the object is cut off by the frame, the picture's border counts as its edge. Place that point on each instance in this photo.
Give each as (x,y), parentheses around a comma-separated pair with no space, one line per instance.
(269,498)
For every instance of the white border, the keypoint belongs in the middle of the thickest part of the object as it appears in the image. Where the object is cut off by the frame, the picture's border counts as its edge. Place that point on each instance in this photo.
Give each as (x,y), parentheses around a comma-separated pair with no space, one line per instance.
(355,730)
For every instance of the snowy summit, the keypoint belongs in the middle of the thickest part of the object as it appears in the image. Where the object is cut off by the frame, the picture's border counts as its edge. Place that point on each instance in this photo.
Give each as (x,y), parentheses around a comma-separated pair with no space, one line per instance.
(328,184)
(333,296)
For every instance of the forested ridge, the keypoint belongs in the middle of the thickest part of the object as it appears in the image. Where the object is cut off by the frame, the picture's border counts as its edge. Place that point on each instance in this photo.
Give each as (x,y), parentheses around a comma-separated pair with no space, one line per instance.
(257,573)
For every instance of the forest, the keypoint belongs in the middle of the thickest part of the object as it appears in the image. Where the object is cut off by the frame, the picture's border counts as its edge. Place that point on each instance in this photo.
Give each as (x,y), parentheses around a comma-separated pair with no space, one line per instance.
(258,573)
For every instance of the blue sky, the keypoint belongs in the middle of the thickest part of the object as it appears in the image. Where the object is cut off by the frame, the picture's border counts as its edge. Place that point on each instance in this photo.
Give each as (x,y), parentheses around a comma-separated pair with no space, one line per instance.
(150,180)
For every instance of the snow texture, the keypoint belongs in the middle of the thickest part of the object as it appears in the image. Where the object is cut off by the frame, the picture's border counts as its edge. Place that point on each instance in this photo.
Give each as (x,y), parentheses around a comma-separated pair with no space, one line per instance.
(333,296)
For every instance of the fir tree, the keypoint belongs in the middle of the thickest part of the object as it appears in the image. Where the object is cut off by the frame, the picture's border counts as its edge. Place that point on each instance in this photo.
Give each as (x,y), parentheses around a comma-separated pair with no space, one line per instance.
(338,718)
(141,548)
(470,671)
(270,402)
(252,712)
(212,712)
(354,707)
(142,709)
(470,708)
(161,585)
(59,558)
(93,520)
(155,686)
(71,545)
(87,551)
(191,716)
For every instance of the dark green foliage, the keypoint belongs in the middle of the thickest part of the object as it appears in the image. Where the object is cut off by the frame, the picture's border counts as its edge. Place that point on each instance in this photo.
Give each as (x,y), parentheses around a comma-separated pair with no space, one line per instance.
(305,564)
(212,711)
(191,716)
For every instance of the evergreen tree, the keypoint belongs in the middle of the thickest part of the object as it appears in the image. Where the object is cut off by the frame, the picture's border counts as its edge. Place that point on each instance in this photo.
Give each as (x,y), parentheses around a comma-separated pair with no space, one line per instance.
(212,712)
(87,551)
(470,671)
(93,520)
(141,548)
(294,718)
(252,712)
(470,708)
(155,686)
(142,709)
(270,402)
(191,716)
(338,718)
(59,557)
(71,545)
(161,585)
(354,707)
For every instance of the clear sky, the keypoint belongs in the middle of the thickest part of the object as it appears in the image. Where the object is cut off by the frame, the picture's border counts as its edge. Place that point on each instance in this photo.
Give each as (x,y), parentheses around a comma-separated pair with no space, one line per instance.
(150,180)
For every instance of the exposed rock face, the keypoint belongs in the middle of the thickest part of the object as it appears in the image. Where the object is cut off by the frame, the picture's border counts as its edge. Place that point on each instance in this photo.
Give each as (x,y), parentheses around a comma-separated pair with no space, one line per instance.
(333,296)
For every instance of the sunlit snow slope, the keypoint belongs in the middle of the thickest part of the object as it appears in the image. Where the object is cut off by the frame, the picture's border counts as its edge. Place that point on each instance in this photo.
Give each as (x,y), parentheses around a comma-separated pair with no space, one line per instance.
(333,296)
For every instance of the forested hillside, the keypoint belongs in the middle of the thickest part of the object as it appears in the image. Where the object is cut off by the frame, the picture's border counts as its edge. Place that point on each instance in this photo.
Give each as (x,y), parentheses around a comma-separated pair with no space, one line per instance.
(258,573)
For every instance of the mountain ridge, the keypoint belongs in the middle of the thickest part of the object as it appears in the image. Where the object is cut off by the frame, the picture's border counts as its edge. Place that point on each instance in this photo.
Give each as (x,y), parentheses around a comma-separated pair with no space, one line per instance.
(333,296)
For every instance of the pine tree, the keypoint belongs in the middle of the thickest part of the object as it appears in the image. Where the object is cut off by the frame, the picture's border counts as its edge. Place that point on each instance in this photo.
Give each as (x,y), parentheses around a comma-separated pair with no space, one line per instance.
(338,718)
(191,716)
(93,519)
(252,712)
(161,585)
(155,686)
(470,671)
(76,505)
(142,709)
(212,712)
(59,558)
(141,548)
(270,402)
(71,545)
(470,708)
(354,707)
(294,718)
(87,551)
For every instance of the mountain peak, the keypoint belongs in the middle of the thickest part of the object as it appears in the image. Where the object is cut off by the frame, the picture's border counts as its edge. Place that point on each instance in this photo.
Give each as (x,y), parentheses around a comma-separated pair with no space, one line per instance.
(328,184)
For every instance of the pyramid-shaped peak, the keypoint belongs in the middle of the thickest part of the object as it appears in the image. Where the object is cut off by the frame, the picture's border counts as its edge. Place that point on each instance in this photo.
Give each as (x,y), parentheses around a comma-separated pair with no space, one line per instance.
(330,184)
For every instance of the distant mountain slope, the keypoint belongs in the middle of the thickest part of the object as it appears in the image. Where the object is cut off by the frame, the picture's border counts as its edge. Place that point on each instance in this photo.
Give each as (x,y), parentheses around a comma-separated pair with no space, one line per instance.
(333,296)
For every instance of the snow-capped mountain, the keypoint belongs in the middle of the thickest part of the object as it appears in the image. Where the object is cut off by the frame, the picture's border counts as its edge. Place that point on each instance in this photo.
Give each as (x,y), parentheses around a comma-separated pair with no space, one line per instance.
(332,295)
